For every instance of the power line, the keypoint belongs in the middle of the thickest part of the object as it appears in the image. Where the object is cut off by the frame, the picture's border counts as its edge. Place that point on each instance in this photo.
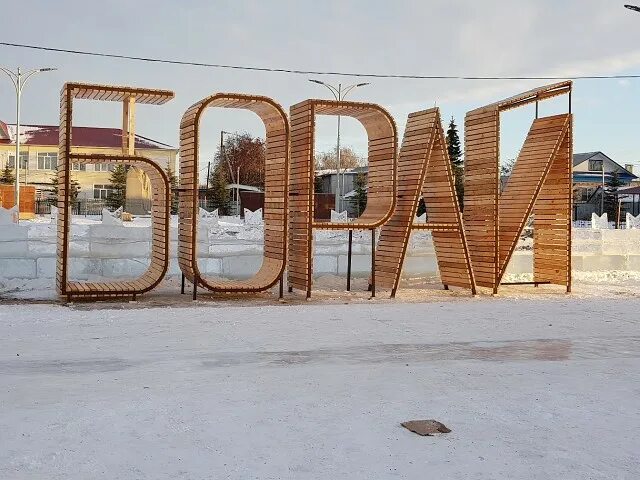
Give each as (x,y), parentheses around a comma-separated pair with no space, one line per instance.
(311,72)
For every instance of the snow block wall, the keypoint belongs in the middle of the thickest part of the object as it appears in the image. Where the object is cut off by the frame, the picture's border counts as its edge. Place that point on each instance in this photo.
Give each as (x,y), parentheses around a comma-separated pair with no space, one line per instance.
(28,251)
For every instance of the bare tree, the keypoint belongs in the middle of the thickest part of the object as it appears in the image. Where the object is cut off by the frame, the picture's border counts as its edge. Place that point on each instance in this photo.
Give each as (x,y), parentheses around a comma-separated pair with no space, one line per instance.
(348,159)
(245,152)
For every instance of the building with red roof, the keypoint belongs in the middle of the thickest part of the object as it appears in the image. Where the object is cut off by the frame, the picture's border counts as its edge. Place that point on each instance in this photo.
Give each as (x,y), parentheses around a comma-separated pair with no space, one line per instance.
(39,159)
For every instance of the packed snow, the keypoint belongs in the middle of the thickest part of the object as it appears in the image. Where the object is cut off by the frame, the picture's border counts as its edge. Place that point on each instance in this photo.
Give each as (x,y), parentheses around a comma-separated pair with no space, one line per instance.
(531,389)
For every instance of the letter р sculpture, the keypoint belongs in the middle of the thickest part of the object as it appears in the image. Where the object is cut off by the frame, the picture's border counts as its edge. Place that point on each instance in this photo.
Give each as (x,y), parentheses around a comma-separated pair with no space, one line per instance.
(160,209)
(381,190)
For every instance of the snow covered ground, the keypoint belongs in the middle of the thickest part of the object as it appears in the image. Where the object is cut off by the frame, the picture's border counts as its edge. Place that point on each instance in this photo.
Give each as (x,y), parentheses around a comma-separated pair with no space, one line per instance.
(544,387)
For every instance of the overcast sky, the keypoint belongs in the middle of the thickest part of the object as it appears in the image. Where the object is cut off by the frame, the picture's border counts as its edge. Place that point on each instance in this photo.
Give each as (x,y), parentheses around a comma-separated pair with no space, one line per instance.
(434,37)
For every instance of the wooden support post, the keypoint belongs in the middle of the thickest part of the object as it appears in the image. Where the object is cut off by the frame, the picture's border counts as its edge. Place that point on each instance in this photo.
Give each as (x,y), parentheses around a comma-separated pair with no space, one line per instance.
(195,289)
(281,287)
(182,286)
(128,125)
(446,287)
(373,262)
(349,261)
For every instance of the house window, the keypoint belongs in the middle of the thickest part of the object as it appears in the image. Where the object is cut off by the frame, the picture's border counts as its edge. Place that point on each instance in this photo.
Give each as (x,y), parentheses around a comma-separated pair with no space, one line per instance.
(104,167)
(24,160)
(79,167)
(595,165)
(102,191)
(47,161)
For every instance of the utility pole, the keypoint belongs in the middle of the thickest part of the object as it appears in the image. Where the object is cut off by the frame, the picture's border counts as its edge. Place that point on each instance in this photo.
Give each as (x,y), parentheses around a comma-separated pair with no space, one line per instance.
(19,80)
(602,196)
(238,189)
(339,94)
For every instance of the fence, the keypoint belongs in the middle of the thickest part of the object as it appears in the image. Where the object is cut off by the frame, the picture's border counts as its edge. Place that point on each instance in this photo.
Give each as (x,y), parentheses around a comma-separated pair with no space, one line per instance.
(79,207)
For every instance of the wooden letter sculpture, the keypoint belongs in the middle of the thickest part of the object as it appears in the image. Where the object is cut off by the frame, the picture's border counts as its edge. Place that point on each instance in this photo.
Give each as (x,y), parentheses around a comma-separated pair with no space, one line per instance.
(275,194)
(540,184)
(159,182)
(424,168)
(381,197)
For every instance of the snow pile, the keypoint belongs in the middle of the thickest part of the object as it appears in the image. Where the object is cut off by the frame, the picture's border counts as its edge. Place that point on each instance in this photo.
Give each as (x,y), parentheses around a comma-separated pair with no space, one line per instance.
(8,216)
(600,222)
(253,219)
(632,221)
(211,219)
(113,219)
(340,217)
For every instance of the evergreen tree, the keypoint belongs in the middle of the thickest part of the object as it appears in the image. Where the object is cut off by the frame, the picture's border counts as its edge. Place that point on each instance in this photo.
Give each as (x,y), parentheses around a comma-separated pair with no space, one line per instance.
(74,189)
(173,183)
(359,200)
(217,193)
(457,162)
(611,196)
(118,184)
(7,177)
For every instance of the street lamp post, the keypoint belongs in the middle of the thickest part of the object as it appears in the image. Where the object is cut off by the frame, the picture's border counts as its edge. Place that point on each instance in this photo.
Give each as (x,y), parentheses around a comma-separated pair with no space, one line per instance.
(19,80)
(339,94)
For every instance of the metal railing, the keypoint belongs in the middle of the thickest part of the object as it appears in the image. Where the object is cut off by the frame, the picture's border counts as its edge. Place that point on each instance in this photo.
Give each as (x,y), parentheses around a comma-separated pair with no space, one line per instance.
(84,207)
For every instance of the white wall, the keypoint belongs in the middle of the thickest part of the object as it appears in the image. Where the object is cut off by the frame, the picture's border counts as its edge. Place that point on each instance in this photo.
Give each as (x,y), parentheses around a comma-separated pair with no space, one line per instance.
(28,251)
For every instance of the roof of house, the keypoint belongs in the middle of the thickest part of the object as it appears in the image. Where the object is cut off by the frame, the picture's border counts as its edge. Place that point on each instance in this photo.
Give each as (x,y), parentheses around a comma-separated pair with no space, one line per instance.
(47,135)
(579,158)
(629,191)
